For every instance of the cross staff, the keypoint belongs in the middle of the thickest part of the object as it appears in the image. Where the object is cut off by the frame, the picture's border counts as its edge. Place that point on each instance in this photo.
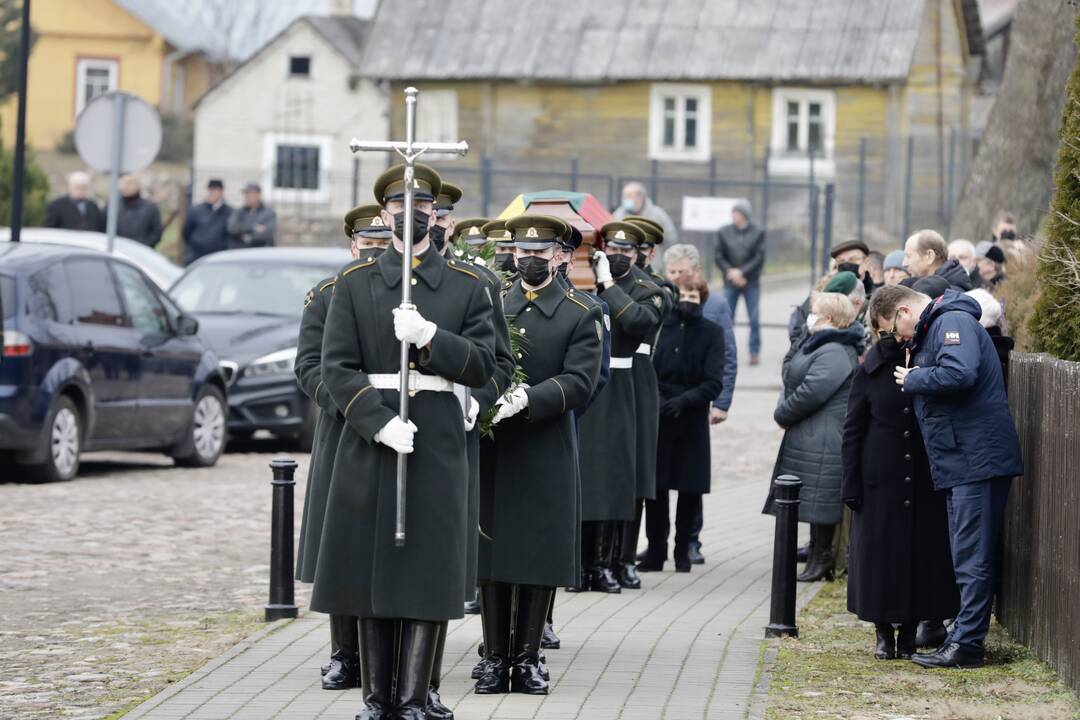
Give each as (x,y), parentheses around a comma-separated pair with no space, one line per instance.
(409,151)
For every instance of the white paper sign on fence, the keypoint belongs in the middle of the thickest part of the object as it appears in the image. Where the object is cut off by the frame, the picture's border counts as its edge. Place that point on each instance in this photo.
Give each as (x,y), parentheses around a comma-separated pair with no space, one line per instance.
(706,214)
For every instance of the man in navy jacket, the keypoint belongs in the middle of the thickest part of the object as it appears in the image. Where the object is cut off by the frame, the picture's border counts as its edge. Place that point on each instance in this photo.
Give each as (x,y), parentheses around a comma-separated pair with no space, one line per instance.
(955,377)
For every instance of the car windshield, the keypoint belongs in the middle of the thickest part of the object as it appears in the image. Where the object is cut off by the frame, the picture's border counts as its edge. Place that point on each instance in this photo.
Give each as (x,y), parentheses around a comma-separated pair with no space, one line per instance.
(248,288)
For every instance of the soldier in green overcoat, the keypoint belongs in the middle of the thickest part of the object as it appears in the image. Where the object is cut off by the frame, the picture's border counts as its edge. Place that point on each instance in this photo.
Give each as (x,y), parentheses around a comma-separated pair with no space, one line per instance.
(401,593)
(368,237)
(609,430)
(531,509)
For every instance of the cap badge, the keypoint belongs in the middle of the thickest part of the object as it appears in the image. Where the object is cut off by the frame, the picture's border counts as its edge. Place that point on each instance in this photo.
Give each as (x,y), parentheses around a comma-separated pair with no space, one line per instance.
(474,230)
(621,235)
(531,233)
(377,222)
(415,183)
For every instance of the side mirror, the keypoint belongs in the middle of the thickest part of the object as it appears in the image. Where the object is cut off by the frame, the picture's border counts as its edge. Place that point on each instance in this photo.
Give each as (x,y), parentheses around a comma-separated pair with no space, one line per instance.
(186,325)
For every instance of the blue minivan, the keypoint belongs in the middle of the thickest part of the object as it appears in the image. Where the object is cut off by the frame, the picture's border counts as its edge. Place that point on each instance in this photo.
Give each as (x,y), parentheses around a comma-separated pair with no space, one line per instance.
(96,357)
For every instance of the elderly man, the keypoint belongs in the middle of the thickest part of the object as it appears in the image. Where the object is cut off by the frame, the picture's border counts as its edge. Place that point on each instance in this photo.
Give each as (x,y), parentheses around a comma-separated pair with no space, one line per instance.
(254,224)
(963,252)
(76,210)
(740,254)
(926,254)
(137,218)
(635,201)
(204,230)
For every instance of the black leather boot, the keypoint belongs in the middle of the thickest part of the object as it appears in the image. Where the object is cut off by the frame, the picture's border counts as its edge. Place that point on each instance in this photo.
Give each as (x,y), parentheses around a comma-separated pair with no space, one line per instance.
(416,655)
(344,670)
(821,562)
(905,641)
(526,675)
(588,542)
(600,577)
(377,641)
(931,633)
(472,606)
(551,641)
(435,708)
(626,575)
(495,605)
(886,642)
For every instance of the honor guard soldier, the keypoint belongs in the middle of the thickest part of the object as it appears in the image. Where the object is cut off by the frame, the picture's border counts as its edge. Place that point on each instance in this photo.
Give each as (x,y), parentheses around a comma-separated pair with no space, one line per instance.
(609,430)
(504,246)
(368,236)
(530,510)
(444,206)
(654,237)
(401,593)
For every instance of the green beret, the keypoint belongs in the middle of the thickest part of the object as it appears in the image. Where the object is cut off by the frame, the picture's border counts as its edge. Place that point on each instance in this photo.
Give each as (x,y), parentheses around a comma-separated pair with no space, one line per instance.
(427,184)
(622,234)
(449,194)
(842,282)
(472,229)
(536,232)
(654,231)
(496,230)
(367,221)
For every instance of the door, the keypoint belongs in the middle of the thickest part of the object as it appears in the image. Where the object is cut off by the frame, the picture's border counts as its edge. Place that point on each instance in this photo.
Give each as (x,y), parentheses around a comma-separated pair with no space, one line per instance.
(168,362)
(107,347)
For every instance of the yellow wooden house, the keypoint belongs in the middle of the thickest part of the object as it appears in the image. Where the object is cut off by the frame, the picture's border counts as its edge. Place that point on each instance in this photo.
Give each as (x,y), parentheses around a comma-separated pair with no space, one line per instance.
(87,47)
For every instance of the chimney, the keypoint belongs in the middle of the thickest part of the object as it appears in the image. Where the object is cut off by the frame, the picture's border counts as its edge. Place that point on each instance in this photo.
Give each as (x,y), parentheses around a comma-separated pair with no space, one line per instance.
(341,7)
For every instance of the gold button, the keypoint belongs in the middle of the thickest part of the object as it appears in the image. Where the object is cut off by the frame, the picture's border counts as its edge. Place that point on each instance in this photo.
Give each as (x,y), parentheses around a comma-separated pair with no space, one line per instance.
(412,366)
(528,309)
(522,331)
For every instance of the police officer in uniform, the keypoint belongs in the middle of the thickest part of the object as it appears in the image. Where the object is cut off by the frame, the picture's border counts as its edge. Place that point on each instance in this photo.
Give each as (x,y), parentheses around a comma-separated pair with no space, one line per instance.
(608,431)
(531,509)
(401,594)
(368,237)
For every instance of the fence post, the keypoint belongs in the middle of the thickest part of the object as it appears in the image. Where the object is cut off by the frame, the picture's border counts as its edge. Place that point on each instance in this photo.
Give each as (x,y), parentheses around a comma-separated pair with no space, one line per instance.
(712,176)
(282,600)
(654,170)
(862,187)
(782,604)
(949,187)
(907,188)
(826,231)
(573,173)
(765,192)
(355,180)
(485,185)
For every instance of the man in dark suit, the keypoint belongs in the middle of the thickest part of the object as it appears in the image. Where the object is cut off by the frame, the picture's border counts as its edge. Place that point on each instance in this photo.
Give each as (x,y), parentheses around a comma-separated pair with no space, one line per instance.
(76,210)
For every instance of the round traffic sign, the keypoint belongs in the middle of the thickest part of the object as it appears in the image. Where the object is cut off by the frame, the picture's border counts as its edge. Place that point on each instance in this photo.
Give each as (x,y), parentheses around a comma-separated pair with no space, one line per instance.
(140,139)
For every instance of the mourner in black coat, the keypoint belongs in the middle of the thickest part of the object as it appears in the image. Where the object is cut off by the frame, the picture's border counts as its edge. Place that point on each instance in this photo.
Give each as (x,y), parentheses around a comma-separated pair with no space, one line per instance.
(689,362)
(899,567)
(70,213)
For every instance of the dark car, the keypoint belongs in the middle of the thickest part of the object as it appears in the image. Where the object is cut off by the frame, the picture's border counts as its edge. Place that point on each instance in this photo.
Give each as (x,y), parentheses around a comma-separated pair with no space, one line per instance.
(96,357)
(248,303)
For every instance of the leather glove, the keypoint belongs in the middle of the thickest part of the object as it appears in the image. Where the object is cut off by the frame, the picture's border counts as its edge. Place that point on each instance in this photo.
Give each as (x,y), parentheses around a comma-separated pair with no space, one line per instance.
(410,326)
(601,268)
(397,435)
(854,503)
(511,403)
(470,417)
(670,409)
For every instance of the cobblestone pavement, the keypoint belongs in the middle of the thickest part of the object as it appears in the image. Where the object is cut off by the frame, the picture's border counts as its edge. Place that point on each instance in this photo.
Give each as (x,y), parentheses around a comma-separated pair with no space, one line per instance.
(119,583)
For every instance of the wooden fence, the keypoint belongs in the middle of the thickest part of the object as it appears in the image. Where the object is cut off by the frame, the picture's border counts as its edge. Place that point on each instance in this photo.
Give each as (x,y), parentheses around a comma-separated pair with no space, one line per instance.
(1040,594)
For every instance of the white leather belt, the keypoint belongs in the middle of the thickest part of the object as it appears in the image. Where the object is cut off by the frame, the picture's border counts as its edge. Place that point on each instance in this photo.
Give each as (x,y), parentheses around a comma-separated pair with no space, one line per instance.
(621,363)
(644,349)
(417,382)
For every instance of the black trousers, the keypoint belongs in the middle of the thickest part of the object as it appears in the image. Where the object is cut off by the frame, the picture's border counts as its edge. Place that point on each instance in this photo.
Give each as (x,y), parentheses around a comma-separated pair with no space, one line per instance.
(658,523)
(695,530)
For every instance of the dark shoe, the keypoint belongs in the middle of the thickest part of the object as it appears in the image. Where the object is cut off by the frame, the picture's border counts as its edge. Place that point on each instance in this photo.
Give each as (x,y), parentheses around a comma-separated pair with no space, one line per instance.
(416,656)
(525,677)
(628,577)
(886,642)
(551,641)
(344,673)
(803,553)
(931,634)
(905,642)
(950,656)
(325,667)
(542,664)
(480,668)
(682,565)
(650,564)
(377,641)
(472,607)
(435,708)
(601,580)
(496,677)
(694,553)
(641,555)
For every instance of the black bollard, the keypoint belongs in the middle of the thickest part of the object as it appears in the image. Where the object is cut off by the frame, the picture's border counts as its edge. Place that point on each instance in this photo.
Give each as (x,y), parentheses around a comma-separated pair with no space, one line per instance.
(782,607)
(282,600)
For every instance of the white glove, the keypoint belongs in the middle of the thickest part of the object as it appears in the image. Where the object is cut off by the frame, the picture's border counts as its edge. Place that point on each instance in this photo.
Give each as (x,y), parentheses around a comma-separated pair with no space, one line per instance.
(470,417)
(602,268)
(410,326)
(511,403)
(397,435)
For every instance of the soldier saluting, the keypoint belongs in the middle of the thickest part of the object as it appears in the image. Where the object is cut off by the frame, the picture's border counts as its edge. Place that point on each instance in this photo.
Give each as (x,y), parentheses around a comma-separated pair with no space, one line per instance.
(401,594)
(530,510)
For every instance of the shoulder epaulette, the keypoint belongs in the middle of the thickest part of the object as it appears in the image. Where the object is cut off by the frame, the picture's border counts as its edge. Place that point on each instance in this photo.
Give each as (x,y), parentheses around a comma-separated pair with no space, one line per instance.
(327,285)
(455,265)
(359,266)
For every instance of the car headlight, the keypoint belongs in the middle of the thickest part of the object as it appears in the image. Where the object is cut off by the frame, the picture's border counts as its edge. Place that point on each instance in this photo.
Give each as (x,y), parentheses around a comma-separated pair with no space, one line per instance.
(275,363)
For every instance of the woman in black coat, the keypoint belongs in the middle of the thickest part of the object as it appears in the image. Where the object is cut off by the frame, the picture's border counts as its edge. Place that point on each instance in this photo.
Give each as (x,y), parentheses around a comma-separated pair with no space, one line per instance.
(900,570)
(689,363)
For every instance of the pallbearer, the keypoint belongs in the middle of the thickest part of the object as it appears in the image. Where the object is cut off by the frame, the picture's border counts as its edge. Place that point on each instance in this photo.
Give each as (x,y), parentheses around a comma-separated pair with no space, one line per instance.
(443,229)
(504,246)
(530,512)
(368,236)
(654,237)
(401,593)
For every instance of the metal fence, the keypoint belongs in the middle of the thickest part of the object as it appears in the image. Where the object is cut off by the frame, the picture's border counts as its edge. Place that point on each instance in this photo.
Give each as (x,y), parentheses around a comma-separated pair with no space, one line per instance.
(1040,595)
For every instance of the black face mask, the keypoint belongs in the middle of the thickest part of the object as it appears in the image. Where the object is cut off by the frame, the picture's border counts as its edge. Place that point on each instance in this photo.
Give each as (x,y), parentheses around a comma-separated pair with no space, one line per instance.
(534,270)
(848,267)
(504,262)
(563,269)
(640,262)
(1008,234)
(889,344)
(437,235)
(689,310)
(420,225)
(620,265)
(369,253)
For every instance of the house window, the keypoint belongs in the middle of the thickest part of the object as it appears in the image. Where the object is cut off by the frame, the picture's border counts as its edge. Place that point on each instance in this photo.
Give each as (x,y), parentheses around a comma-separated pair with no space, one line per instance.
(437,117)
(296,168)
(300,66)
(679,121)
(94,77)
(804,122)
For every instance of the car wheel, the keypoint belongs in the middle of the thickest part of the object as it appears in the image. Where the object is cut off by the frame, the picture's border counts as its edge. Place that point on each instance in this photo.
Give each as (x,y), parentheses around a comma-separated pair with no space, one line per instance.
(205,438)
(64,442)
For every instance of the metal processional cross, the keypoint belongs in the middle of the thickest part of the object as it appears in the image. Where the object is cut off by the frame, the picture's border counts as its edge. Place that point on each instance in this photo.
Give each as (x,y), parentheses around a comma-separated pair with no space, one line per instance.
(409,150)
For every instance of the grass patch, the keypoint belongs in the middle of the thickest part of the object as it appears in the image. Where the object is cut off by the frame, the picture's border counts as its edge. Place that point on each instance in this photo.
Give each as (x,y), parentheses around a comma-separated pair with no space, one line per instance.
(830,672)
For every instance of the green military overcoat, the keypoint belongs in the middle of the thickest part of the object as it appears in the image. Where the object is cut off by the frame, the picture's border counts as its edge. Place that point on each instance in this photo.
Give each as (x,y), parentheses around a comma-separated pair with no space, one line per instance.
(608,434)
(646,394)
(360,571)
(531,515)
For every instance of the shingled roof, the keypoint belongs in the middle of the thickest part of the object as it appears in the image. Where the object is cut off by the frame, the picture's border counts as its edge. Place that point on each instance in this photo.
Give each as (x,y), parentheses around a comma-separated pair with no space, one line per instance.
(591,41)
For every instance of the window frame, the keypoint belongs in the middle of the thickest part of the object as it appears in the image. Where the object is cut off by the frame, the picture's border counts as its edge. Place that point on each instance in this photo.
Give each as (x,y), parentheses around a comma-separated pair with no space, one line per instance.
(658,115)
(82,65)
(297,76)
(781,160)
(119,322)
(324,143)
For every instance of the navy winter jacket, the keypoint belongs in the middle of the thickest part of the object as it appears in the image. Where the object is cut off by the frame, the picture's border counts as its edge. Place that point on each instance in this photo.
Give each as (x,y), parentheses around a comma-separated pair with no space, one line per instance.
(959,394)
